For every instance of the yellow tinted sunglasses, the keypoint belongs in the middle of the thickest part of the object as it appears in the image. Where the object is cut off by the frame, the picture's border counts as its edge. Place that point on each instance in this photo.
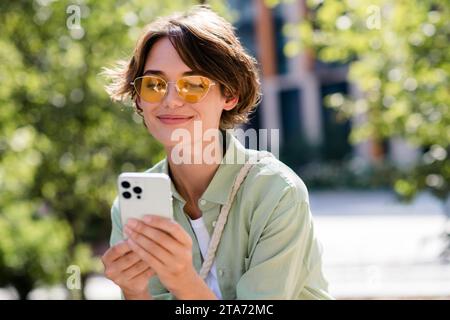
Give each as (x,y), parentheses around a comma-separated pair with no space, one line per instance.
(191,89)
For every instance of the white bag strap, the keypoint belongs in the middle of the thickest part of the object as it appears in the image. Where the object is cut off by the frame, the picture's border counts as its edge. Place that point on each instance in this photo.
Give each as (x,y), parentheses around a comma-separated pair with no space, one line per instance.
(223,215)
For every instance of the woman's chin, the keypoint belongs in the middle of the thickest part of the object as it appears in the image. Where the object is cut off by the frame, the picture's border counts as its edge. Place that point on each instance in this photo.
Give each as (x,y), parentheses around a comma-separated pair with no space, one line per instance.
(171,137)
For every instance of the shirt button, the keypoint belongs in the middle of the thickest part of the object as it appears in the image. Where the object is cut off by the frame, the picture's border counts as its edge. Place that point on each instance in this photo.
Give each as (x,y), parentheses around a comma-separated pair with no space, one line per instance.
(202,202)
(214,223)
(220,272)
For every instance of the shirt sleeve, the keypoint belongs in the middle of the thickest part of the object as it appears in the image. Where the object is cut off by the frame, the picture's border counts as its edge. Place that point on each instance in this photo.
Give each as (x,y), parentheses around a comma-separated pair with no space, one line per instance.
(284,262)
(116,229)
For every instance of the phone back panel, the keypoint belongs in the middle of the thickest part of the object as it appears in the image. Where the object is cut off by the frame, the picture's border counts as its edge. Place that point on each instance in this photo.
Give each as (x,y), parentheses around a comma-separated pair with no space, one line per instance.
(144,193)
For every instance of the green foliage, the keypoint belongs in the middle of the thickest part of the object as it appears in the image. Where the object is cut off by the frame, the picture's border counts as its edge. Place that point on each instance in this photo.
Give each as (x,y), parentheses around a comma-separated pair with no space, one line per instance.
(26,238)
(399,57)
(62,141)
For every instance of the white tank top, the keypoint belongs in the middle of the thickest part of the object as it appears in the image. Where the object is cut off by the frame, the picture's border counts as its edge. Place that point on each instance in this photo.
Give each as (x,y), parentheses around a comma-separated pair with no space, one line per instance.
(203,238)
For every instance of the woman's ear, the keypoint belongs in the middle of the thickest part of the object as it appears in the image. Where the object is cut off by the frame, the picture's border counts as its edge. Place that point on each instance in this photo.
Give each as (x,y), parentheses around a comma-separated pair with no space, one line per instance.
(230,103)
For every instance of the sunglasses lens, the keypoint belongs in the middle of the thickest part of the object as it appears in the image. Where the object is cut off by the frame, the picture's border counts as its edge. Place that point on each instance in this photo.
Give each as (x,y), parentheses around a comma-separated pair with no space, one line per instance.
(151,89)
(193,88)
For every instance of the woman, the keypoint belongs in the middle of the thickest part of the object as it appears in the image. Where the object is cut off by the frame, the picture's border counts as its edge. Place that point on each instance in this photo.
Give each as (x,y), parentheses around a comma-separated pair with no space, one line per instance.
(189,73)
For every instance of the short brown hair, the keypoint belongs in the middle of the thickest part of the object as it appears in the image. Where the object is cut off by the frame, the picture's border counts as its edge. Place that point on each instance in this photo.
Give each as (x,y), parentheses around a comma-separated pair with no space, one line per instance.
(207,44)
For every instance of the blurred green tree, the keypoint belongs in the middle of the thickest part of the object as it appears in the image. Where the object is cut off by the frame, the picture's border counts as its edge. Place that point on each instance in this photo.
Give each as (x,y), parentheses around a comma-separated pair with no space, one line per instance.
(62,141)
(398,55)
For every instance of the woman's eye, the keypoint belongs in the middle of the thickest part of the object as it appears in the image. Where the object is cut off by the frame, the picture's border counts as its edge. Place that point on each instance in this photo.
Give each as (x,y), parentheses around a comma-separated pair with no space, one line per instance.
(194,86)
(154,86)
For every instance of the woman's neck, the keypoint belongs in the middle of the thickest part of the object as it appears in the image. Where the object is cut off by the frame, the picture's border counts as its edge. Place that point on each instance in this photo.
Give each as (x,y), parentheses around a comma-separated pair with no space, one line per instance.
(190,178)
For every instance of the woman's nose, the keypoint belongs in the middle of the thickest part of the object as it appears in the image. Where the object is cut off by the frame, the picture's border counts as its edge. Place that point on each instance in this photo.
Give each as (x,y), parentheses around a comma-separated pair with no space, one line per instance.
(172,99)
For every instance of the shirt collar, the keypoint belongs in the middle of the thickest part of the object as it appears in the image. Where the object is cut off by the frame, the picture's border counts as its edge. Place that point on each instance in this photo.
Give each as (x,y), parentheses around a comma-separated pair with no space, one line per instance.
(221,184)
(175,194)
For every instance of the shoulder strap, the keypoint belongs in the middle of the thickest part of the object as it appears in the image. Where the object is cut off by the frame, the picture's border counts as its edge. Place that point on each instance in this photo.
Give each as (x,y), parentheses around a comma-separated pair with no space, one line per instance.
(223,215)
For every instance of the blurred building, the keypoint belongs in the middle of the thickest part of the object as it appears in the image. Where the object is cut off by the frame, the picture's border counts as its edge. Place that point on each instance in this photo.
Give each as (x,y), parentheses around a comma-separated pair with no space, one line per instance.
(294,91)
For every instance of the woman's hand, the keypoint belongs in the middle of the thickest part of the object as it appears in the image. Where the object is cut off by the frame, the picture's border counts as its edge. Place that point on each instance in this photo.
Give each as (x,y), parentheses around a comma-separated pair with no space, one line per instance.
(167,248)
(125,268)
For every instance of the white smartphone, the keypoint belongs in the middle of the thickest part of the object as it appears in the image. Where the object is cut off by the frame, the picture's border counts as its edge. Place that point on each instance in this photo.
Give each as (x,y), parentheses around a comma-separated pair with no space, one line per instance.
(144,193)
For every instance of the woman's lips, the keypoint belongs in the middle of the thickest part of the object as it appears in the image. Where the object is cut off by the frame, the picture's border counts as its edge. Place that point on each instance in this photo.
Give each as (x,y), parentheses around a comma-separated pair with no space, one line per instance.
(174,119)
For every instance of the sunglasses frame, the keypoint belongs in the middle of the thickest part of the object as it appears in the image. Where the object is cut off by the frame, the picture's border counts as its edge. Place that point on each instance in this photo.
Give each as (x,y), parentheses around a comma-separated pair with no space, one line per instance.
(133,83)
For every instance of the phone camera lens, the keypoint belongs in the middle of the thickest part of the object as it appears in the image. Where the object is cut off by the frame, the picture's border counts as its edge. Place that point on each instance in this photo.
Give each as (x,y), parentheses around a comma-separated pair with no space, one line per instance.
(125,184)
(126,195)
(138,190)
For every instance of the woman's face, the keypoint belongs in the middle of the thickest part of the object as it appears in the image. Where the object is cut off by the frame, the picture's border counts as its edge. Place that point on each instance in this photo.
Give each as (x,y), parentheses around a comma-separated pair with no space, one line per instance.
(165,61)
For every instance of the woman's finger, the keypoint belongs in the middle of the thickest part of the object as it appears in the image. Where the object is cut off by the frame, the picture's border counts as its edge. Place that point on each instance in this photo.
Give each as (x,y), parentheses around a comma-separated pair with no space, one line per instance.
(152,260)
(151,246)
(158,236)
(144,275)
(146,239)
(115,252)
(169,226)
(135,270)
(115,268)
(126,261)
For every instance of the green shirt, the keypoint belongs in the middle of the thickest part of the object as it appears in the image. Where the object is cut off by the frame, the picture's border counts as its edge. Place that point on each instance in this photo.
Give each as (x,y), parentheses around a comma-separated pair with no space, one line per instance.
(268,248)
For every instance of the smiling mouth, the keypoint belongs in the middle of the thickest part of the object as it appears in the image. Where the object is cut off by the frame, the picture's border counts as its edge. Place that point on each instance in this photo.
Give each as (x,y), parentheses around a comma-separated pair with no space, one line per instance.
(169,119)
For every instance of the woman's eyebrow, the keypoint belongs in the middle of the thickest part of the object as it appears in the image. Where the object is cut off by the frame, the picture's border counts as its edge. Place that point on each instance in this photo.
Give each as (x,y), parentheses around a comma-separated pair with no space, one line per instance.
(159,72)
